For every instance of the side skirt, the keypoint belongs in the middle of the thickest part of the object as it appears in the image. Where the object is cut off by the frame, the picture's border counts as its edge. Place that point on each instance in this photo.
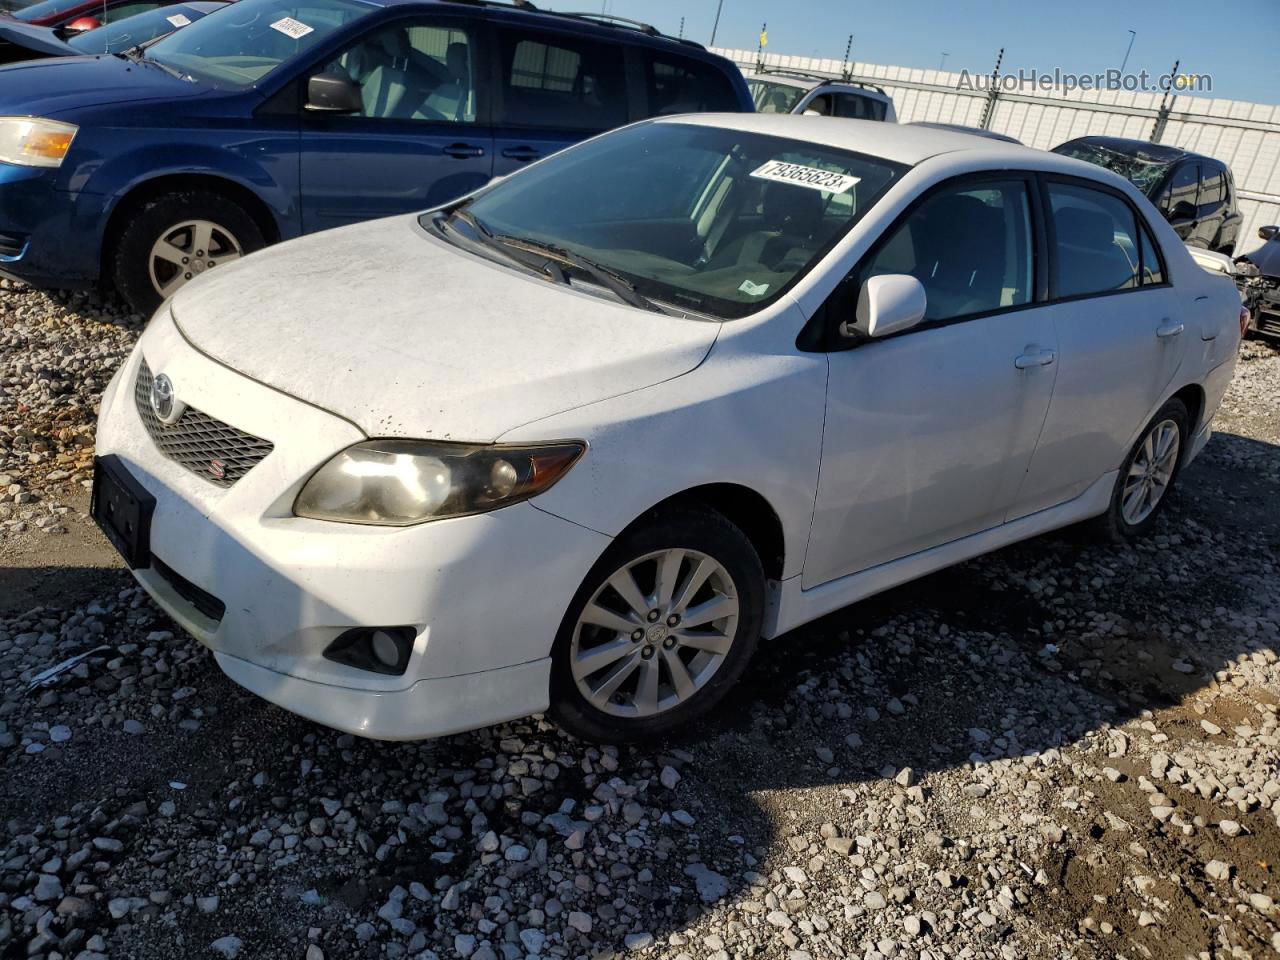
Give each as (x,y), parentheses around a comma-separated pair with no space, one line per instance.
(790,606)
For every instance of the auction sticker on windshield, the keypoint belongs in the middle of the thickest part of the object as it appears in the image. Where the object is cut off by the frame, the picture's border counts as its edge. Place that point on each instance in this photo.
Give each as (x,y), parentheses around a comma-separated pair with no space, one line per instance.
(292,28)
(828,181)
(178,20)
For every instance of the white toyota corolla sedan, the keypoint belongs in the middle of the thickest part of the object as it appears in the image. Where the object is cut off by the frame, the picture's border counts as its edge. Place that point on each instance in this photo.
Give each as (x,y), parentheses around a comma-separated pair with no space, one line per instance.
(577,442)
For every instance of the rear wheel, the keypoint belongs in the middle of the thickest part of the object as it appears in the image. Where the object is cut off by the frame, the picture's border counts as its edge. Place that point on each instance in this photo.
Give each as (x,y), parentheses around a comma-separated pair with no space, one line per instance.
(660,630)
(174,238)
(1147,476)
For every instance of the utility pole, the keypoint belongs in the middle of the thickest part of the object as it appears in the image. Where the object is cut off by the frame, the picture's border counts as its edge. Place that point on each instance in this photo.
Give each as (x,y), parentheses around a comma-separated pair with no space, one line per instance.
(716,26)
(1166,105)
(993,94)
(682,28)
(847,67)
(1133,35)
(943,59)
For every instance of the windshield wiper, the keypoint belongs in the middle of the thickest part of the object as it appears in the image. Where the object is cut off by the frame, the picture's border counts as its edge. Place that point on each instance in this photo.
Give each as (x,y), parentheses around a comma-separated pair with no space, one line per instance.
(484,236)
(172,71)
(132,54)
(622,288)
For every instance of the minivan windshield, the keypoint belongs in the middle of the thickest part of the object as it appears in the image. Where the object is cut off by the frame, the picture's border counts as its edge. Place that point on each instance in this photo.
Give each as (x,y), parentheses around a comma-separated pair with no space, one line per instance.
(1145,174)
(700,218)
(774,97)
(134,30)
(249,39)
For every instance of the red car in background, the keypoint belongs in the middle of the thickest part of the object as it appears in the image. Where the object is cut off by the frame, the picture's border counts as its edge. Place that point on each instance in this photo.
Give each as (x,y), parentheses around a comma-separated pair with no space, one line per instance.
(75,14)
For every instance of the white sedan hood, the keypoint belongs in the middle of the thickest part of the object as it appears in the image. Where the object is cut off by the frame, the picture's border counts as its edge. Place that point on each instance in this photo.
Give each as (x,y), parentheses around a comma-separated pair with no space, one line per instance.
(406,336)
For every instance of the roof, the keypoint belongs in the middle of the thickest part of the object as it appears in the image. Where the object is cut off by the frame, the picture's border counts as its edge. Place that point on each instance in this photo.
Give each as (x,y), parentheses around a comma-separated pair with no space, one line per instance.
(901,143)
(1159,152)
(961,128)
(800,80)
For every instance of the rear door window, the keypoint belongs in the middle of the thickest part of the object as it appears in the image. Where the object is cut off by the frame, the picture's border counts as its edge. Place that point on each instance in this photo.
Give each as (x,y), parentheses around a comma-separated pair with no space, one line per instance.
(1210,183)
(1096,241)
(686,86)
(561,82)
(1184,184)
(859,107)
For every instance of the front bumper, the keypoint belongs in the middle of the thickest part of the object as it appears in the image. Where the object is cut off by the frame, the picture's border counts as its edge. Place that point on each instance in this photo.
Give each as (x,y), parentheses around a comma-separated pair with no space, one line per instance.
(48,237)
(485,594)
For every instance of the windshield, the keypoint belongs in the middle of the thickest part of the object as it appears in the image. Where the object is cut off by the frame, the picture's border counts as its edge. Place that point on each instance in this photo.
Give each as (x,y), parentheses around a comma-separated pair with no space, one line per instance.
(46,8)
(706,219)
(1144,174)
(774,97)
(134,30)
(252,37)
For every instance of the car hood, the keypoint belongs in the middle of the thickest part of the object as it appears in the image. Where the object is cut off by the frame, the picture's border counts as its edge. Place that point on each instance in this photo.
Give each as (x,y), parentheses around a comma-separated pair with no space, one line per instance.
(47,88)
(1266,258)
(30,37)
(406,336)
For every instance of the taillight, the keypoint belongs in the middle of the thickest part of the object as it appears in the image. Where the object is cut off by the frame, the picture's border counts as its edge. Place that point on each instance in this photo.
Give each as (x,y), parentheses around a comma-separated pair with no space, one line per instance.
(1244,321)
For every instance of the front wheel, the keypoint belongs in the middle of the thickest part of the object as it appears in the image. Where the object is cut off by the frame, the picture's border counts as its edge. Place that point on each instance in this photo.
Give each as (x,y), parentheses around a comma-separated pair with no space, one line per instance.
(660,630)
(174,238)
(1147,476)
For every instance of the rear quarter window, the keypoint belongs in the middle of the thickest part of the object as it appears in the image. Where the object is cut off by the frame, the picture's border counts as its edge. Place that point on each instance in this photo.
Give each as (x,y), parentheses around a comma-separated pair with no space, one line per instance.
(550,80)
(675,85)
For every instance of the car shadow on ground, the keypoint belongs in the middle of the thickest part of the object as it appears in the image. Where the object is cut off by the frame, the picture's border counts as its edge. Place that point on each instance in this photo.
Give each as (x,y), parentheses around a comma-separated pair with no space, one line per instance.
(1000,662)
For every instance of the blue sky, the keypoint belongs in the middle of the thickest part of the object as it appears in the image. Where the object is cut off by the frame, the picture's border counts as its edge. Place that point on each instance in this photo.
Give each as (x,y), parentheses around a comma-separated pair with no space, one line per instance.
(1237,43)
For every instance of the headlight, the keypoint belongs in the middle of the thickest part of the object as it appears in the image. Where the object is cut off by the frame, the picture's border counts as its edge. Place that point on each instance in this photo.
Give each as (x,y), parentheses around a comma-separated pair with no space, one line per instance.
(32,142)
(402,482)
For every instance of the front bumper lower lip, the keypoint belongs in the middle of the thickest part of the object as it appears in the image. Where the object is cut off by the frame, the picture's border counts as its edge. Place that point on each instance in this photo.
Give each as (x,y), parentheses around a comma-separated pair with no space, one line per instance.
(433,707)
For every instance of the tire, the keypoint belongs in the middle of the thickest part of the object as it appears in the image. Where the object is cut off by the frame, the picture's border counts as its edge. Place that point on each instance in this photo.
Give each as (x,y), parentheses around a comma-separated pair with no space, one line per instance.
(178,216)
(1122,523)
(714,655)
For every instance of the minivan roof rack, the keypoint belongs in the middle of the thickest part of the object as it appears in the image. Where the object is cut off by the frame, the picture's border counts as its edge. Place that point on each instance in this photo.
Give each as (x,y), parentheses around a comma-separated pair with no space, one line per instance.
(807,75)
(603,19)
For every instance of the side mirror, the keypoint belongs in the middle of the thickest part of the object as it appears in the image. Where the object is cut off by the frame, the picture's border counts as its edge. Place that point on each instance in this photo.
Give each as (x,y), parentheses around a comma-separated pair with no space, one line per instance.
(1269,233)
(1182,211)
(334,93)
(887,304)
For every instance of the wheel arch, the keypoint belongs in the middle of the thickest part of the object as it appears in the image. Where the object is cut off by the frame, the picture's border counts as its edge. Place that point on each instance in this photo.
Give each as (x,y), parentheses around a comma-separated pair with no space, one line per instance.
(147,190)
(1193,398)
(742,506)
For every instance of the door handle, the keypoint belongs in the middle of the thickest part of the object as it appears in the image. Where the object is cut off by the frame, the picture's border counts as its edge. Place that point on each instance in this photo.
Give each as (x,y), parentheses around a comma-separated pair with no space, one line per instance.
(463,151)
(1169,329)
(521,154)
(1040,358)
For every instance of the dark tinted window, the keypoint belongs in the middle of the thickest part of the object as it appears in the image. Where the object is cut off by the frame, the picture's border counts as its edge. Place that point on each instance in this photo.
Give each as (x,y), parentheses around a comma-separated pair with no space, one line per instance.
(1096,241)
(970,246)
(859,108)
(1152,269)
(686,86)
(1211,189)
(553,81)
(1183,185)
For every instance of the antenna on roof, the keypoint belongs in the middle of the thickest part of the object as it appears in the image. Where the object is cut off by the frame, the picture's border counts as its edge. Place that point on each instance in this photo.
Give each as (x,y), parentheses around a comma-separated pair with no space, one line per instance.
(847,68)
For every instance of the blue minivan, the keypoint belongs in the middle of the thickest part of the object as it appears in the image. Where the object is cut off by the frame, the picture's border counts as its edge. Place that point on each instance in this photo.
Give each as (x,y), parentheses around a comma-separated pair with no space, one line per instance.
(274,118)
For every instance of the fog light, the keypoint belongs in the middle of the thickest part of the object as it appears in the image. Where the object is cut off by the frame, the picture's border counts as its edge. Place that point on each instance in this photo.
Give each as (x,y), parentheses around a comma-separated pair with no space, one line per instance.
(377,649)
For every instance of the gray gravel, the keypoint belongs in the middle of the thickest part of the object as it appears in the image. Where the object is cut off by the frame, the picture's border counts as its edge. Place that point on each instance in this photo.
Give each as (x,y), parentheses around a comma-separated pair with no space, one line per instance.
(1062,750)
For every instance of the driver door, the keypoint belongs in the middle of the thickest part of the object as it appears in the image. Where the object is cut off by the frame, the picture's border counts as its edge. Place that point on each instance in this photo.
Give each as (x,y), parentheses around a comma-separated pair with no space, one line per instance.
(422,137)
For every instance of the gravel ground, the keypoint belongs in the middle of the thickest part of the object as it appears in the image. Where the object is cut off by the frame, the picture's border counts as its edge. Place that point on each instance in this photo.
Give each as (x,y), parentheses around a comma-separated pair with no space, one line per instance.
(1060,750)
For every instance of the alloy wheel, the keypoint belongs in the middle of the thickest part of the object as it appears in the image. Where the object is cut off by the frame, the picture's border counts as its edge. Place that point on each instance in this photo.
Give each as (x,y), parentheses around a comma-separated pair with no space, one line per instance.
(188,249)
(1150,472)
(654,633)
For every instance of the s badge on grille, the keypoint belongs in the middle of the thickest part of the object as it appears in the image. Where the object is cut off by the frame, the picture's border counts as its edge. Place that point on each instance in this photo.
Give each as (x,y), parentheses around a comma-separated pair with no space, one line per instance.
(217,469)
(164,403)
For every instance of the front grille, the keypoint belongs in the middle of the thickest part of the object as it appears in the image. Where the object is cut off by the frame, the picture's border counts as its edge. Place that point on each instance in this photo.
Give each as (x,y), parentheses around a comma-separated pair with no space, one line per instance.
(203,444)
(202,600)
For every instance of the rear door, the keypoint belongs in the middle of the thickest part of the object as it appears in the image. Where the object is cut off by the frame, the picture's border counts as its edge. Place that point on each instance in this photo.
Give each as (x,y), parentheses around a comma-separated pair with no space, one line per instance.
(552,90)
(1182,185)
(422,137)
(1122,331)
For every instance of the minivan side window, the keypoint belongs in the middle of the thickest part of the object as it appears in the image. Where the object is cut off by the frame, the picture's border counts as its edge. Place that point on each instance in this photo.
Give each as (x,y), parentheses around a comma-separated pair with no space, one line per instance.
(686,87)
(555,81)
(969,245)
(413,71)
(1095,241)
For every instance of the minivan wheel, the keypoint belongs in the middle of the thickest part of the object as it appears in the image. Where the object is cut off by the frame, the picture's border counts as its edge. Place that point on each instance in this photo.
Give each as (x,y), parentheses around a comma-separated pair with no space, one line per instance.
(663,626)
(1147,476)
(173,238)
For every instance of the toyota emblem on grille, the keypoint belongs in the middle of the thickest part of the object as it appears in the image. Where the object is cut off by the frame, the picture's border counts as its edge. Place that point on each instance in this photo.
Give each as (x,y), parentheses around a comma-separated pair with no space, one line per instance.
(164,404)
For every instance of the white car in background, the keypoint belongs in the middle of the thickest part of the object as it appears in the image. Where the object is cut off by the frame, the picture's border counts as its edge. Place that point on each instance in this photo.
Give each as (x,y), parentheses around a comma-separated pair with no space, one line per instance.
(577,442)
(793,91)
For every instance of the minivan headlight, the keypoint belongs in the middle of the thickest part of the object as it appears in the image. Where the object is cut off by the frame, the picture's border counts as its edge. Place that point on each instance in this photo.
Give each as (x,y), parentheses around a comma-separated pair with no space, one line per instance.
(33,142)
(402,482)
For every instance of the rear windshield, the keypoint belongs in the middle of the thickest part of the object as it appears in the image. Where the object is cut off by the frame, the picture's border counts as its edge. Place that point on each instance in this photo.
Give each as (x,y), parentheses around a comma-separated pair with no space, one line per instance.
(702,218)
(249,39)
